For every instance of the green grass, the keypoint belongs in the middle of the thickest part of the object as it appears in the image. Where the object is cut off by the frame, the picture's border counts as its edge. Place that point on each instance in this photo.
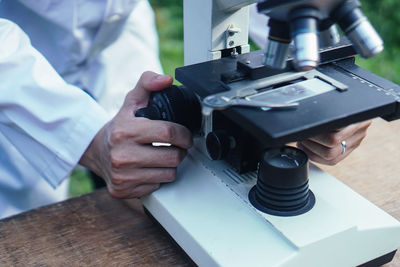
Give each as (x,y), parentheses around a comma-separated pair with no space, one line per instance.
(383,65)
(80,183)
(169,19)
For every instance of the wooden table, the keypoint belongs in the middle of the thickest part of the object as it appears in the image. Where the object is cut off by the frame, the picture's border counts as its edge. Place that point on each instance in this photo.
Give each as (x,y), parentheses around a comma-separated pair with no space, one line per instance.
(97,230)
(373,170)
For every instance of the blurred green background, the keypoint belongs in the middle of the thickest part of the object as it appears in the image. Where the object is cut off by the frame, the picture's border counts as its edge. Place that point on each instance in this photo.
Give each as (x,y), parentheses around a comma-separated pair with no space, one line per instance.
(384,15)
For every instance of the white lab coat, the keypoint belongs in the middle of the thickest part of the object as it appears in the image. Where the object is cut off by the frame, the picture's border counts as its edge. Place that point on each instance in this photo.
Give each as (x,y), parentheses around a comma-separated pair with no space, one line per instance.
(65,67)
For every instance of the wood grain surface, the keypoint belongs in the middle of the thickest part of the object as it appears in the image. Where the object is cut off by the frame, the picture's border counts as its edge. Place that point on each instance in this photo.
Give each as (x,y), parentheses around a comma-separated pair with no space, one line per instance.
(92,230)
(97,230)
(373,170)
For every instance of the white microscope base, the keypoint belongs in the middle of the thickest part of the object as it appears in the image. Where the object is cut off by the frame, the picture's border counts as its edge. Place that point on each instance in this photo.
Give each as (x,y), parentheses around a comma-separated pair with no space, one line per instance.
(207,212)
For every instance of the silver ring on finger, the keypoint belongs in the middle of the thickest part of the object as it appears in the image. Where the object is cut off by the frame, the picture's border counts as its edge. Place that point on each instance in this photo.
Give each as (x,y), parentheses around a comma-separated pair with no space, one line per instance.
(344,146)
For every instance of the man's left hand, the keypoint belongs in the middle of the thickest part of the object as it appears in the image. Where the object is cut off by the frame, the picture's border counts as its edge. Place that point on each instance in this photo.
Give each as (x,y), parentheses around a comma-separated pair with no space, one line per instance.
(328,148)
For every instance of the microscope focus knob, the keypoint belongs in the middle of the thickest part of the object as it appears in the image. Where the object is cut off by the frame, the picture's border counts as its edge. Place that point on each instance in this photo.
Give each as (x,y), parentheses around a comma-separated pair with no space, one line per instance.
(218,143)
(176,104)
(282,184)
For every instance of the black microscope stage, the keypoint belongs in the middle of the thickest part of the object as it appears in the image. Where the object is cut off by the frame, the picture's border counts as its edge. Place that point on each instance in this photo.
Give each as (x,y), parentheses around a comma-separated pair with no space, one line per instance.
(368,95)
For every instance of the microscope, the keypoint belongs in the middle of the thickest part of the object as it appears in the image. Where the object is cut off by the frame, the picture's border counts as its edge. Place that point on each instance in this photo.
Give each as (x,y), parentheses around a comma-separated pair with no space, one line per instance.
(243,197)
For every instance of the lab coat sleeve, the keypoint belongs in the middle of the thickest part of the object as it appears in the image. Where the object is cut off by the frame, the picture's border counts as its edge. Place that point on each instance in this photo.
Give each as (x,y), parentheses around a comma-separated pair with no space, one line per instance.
(50,122)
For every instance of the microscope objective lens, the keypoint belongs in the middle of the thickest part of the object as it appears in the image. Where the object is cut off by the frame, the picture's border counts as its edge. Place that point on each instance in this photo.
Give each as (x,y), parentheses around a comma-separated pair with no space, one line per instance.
(304,32)
(277,48)
(358,29)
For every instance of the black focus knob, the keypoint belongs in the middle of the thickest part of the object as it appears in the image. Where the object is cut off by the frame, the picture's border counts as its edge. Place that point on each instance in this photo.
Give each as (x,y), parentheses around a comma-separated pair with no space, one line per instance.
(218,144)
(282,184)
(176,104)
(150,112)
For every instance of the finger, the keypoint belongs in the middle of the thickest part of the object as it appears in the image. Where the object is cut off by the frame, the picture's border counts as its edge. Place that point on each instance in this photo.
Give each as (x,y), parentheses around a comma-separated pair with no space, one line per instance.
(144,190)
(137,176)
(145,131)
(335,137)
(133,192)
(331,155)
(321,151)
(147,156)
(148,82)
(315,158)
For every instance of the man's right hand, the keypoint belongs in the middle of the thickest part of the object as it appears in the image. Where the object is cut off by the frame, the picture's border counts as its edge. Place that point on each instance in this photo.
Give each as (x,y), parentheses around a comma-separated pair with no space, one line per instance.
(122,151)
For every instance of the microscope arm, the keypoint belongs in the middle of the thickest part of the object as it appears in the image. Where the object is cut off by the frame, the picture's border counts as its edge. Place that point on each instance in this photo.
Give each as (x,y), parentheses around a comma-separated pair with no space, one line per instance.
(215,27)
(229,5)
(218,28)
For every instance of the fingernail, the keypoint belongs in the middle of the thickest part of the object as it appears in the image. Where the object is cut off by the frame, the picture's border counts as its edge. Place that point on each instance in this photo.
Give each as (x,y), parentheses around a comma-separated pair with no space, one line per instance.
(162,77)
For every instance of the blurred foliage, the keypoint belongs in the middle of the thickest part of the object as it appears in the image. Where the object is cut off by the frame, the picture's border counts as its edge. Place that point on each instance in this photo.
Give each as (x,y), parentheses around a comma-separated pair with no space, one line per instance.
(80,183)
(385,16)
(169,16)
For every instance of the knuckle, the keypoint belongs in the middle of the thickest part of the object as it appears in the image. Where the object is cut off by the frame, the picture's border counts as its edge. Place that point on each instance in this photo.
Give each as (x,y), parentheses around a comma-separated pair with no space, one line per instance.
(138,192)
(175,159)
(154,188)
(188,141)
(330,154)
(178,158)
(145,78)
(116,160)
(364,125)
(117,136)
(314,159)
(334,140)
(166,132)
(170,175)
(114,193)
(117,179)
(363,135)
(140,120)
(357,144)
(333,162)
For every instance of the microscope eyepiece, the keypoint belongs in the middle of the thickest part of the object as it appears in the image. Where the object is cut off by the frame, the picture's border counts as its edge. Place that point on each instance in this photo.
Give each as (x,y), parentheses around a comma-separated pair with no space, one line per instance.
(358,29)
(304,31)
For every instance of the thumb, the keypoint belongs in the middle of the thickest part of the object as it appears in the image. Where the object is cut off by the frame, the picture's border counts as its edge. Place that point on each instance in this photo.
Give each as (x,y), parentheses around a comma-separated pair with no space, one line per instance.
(148,82)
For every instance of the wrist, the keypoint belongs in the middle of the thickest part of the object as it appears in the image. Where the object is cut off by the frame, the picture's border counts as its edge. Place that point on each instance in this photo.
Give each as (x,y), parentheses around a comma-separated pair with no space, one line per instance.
(92,157)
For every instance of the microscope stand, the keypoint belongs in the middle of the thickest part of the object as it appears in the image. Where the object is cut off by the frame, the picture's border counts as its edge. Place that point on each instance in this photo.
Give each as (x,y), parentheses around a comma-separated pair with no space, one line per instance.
(206,210)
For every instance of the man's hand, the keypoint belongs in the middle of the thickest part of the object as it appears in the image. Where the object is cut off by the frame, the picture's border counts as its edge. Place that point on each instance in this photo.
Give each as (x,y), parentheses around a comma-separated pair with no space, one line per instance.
(122,151)
(327,148)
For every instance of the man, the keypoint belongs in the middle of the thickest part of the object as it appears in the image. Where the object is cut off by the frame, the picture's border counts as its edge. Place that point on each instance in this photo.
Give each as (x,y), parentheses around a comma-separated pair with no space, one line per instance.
(52,70)
(65,67)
